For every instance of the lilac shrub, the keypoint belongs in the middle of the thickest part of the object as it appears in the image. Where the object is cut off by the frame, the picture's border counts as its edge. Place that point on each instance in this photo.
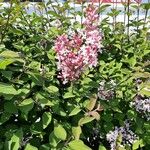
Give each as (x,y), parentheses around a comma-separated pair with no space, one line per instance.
(69,85)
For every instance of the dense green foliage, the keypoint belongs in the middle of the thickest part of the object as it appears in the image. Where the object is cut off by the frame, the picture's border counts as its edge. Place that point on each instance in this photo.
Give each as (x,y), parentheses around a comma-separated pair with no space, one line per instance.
(37,111)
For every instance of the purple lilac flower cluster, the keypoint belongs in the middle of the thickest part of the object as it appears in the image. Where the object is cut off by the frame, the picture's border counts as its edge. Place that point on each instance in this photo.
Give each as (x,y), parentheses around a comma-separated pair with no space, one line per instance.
(128,136)
(105,91)
(142,105)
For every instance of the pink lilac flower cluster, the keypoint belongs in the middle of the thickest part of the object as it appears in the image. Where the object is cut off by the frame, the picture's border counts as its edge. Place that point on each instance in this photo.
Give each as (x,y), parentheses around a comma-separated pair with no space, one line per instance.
(78,51)
(128,136)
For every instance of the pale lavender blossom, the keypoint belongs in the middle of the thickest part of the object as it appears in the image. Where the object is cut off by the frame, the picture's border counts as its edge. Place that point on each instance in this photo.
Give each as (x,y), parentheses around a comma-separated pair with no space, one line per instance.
(105,90)
(127,135)
(142,106)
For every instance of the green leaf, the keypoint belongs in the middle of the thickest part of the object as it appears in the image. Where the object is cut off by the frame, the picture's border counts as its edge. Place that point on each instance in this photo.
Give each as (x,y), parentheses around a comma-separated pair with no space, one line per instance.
(95,114)
(16,139)
(68,95)
(17,31)
(5,62)
(120,148)
(76,131)
(142,144)
(147,126)
(2,46)
(7,145)
(1,145)
(85,120)
(46,119)
(86,81)
(92,102)
(132,61)
(30,147)
(118,46)
(60,132)
(131,114)
(9,54)
(103,7)
(45,147)
(53,140)
(7,74)
(75,111)
(36,128)
(136,145)
(10,107)
(145,91)
(43,101)
(59,110)
(141,75)
(7,89)
(145,88)
(101,147)
(36,78)
(4,117)
(52,89)
(26,105)
(78,145)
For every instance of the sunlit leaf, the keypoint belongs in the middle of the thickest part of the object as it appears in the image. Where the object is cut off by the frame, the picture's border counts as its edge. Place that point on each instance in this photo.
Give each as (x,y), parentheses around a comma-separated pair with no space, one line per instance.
(30,147)
(92,102)
(78,145)
(76,131)
(75,111)
(60,132)
(85,120)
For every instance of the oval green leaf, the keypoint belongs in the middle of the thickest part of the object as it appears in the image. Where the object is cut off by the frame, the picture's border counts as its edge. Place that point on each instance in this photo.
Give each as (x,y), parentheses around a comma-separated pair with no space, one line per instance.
(60,132)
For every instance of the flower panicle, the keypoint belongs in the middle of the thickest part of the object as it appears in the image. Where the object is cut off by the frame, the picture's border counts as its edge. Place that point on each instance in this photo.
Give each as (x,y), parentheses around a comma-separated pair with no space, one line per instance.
(142,106)
(79,50)
(128,137)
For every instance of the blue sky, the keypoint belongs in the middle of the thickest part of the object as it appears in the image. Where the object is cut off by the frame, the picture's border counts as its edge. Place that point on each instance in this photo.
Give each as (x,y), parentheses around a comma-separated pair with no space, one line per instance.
(144,0)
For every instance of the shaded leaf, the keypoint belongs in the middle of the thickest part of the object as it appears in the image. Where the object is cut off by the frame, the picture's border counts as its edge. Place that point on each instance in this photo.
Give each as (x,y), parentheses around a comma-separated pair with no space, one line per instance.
(101,147)
(7,89)
(46,119)
(7,74)
(53,140)
(36,78)
(26,105)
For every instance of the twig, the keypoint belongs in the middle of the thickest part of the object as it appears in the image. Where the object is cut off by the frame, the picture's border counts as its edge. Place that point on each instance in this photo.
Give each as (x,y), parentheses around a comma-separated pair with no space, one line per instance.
(7,22)
(128,15)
